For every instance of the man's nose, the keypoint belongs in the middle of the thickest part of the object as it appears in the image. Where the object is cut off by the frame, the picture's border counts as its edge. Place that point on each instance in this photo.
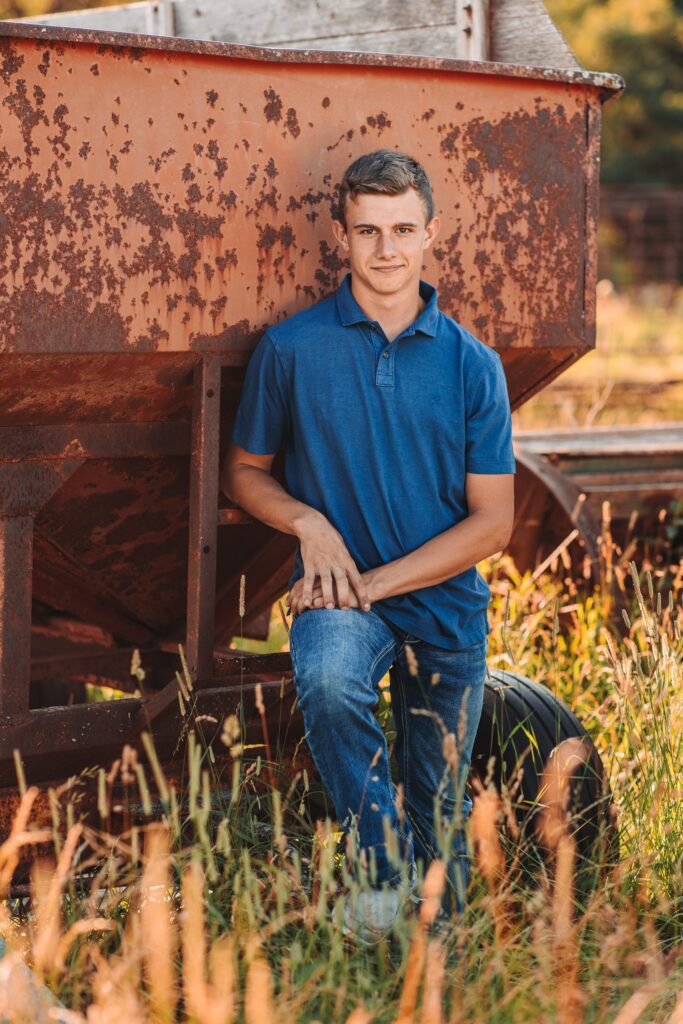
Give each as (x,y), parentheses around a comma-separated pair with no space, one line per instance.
(385,244)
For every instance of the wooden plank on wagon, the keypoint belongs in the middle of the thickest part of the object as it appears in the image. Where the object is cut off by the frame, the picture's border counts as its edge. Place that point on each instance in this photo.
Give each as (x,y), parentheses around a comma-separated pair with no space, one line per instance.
(522,32)
(118,18)
(508,31)
(648,440)
(262,22)
(472,19)
(298,22)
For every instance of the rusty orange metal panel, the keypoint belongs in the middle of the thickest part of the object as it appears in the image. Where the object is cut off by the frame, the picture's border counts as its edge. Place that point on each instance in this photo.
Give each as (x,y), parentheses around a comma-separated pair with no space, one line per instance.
(173,198)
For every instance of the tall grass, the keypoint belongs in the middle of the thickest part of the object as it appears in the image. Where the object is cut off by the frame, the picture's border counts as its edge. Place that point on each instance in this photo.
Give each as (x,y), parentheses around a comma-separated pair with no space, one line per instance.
(227,907)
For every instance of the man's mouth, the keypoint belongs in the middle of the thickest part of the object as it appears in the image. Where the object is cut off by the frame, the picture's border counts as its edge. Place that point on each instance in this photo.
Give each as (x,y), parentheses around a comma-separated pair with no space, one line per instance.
(387,270)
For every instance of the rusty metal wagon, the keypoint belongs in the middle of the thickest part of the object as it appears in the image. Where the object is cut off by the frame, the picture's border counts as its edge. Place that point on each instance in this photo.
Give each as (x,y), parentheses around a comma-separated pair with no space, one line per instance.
(162,201)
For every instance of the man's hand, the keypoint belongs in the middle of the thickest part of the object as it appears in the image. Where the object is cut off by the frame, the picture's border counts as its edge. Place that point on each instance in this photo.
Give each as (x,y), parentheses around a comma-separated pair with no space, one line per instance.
(326,558)
(296,605)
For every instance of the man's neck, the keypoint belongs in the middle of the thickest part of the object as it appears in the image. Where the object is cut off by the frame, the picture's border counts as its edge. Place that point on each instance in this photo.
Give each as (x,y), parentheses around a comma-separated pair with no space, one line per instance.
(392,312)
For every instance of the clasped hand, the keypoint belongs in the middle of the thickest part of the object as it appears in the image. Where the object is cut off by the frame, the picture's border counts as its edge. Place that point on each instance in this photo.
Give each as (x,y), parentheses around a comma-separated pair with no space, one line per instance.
(331,578)
(295,600)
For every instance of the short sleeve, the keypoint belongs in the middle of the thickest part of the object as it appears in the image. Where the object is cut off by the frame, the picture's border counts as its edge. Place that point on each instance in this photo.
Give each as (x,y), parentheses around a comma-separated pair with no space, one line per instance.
(488,429)
(262,422)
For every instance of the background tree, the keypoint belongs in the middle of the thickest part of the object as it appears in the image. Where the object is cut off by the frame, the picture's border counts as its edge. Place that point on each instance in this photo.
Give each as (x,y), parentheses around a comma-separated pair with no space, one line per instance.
(642,40)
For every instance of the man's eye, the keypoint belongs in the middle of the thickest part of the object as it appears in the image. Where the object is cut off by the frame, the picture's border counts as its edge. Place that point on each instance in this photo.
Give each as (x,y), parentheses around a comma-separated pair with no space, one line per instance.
(405,230)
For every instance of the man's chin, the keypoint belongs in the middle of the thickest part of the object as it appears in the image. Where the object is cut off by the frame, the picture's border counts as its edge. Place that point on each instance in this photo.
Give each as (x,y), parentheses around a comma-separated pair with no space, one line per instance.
(384,282)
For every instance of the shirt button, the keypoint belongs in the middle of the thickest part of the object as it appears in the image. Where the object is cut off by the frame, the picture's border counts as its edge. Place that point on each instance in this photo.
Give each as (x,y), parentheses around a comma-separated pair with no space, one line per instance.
(385,354)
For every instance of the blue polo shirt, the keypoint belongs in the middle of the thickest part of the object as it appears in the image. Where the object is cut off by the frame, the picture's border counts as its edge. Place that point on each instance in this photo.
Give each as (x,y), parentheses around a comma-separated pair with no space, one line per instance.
(379,435)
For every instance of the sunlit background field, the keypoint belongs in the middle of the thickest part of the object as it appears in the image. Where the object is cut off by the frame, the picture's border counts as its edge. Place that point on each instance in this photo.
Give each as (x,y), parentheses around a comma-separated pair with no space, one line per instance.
(635,373)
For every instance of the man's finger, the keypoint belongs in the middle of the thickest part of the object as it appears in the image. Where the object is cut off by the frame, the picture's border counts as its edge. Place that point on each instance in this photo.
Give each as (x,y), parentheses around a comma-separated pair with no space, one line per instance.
(360,588)
(342,587)
(309,580)
(326,584)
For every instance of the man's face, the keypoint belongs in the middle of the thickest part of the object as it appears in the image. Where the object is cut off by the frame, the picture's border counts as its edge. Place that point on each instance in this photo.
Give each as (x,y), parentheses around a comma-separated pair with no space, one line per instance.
(385,238)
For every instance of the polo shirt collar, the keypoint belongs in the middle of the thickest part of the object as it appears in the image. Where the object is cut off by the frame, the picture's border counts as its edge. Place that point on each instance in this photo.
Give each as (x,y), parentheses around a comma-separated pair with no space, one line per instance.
(350,312)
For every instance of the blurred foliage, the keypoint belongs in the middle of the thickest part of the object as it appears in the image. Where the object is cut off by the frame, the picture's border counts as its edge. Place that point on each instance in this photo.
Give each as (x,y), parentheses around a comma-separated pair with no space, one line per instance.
(641,40)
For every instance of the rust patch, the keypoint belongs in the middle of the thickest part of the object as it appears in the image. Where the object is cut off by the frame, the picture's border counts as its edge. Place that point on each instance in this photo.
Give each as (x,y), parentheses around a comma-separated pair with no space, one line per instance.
(378,121)
(241,336)
(292,123)
(448,144)
(220,163)
(273,107)
(39,320)
(11,61)
(44,65)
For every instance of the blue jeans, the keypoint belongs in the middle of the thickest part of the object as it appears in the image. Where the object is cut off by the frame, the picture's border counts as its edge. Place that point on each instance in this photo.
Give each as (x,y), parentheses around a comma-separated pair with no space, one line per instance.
(338,658)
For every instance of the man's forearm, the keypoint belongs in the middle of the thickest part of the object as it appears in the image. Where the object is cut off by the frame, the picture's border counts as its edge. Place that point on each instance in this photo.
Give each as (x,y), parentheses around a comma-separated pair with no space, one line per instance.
(449,553)
(259,494)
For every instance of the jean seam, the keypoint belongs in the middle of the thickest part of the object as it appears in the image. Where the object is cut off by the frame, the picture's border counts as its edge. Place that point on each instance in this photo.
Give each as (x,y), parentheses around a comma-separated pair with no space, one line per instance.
(292,656)
(379,657)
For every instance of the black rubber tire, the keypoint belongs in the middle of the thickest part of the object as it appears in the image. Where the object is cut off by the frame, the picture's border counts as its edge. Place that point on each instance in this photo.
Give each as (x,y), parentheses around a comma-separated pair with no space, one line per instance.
(521,723)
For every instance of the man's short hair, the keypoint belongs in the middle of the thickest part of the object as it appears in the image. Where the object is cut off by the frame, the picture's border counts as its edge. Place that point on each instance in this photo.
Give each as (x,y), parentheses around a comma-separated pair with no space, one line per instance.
(385,172)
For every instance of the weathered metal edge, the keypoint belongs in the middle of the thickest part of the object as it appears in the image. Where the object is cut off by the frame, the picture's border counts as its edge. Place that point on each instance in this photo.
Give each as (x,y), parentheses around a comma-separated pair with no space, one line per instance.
(606,83)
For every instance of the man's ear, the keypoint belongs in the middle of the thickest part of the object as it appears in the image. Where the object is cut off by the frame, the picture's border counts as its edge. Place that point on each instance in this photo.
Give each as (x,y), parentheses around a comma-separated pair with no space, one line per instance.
(431,231)
(340,233)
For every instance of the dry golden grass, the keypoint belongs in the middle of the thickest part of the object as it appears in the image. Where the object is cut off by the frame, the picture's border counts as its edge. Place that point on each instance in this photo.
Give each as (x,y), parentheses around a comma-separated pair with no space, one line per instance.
(224,910)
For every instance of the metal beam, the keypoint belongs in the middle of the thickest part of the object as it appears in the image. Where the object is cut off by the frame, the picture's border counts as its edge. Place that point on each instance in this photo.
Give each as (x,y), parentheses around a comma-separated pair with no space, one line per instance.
(16,557)
(55,742)
(94,441)
(24,489)
(201,580)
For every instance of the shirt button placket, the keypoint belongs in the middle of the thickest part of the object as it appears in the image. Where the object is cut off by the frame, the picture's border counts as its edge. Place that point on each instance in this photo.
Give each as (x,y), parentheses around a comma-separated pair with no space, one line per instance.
(385,369)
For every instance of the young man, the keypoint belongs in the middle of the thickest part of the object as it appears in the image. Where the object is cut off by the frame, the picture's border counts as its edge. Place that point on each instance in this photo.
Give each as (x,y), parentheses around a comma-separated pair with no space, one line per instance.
(399,468)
